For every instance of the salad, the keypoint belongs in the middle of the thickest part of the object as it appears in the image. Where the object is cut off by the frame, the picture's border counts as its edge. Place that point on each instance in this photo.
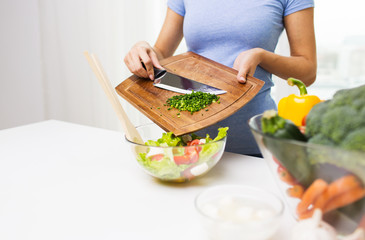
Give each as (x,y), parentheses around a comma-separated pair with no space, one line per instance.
(175,158)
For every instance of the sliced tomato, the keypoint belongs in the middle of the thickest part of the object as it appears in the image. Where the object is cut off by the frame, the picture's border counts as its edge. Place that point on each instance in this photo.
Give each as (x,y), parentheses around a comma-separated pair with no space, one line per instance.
(194,157)
(189,150)
(190,156)
(184,159)
(195,142)
(193,154)
(157,157)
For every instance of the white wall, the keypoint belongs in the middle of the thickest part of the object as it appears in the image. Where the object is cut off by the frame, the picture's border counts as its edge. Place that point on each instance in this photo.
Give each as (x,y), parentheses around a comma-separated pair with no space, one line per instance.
(43,72)
(107,28)
(21,88)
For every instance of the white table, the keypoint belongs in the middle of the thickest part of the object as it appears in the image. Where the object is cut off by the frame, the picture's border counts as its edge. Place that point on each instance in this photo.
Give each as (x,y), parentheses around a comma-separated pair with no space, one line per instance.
(66,181)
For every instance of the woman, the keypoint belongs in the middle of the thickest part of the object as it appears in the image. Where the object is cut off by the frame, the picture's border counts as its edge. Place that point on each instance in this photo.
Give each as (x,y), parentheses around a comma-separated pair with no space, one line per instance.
(241,34)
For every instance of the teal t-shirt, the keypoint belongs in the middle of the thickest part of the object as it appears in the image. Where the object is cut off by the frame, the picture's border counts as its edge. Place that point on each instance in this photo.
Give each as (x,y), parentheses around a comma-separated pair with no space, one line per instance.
(220,30)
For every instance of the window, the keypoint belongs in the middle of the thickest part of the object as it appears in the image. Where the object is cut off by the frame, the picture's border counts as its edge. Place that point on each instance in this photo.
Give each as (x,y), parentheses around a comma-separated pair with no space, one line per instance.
(340,39)
(340,33)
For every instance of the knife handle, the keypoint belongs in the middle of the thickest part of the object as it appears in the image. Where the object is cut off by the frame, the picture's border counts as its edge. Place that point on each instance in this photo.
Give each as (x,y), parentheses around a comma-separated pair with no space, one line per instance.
(157,72)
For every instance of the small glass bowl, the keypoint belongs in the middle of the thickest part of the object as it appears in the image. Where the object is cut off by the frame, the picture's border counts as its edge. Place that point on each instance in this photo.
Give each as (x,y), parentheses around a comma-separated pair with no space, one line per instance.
(175,164)
(239,212)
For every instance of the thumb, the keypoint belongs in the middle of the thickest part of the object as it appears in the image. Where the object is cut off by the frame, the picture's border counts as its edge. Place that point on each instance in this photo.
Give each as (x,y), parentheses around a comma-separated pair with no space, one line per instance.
(241,76)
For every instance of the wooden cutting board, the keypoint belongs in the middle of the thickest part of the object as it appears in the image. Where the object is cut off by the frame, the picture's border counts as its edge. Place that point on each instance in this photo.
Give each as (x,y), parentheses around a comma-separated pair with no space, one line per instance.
(150,100)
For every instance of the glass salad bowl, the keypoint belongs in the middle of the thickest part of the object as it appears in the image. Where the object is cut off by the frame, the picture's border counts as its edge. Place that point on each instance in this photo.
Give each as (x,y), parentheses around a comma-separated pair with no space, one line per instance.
(314,176)
(191,157)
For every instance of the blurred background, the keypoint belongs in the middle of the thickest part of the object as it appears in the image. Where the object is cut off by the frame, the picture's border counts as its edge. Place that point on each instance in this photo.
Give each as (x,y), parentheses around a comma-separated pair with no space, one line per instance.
(44,74)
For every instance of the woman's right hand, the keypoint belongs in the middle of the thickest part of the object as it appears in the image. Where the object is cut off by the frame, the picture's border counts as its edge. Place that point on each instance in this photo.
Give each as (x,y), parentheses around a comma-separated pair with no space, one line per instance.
(142,52)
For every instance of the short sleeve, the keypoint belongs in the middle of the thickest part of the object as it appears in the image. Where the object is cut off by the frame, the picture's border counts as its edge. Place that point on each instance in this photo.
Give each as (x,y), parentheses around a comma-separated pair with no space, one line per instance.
(293,6)
(177,6)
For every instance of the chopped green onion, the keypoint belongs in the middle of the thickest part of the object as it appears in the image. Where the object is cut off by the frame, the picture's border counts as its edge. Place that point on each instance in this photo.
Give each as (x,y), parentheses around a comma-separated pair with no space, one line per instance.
(192,102)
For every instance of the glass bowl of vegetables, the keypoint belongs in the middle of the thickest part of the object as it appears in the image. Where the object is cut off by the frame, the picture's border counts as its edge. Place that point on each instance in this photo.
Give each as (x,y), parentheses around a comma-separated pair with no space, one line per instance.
(313,175)
(177,158)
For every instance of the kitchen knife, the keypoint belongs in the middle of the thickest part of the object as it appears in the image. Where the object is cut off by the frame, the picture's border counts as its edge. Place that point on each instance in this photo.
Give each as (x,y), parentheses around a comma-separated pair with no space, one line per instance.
(176,83)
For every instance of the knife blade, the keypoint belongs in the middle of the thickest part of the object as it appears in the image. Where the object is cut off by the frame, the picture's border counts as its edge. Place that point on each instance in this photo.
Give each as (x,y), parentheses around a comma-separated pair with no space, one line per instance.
(176,83)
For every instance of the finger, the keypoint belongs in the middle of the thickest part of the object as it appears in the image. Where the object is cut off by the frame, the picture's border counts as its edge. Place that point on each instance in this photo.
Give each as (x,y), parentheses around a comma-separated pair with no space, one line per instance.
(236,64)
(251,72)
(131,65)
(241,76)
(154,59)
(127,63)
(147,63)
(137,66)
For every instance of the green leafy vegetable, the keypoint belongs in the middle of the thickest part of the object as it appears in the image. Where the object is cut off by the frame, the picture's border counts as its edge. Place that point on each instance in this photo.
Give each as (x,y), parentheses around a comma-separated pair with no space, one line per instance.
(222,133)
(167,140)
(165,169)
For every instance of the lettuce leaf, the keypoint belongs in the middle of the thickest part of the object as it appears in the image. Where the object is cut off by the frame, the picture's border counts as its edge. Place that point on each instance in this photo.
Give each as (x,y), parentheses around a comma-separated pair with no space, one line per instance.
(167,140)
(164,169)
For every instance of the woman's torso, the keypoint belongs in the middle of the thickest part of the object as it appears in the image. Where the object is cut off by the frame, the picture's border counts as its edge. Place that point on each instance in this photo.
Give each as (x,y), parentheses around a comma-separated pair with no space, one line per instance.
(221,30)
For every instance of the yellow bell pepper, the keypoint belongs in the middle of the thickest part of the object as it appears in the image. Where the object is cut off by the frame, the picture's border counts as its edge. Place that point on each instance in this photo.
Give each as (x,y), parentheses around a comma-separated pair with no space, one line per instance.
(294,107)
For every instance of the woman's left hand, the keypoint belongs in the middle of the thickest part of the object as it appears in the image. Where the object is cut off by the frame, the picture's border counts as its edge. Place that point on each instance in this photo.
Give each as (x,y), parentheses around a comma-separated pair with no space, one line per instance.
(246,63)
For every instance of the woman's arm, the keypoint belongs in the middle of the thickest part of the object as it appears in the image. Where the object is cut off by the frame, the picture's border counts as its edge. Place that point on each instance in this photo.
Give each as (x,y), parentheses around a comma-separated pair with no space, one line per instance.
(167,42)
(301,64)
(170,36)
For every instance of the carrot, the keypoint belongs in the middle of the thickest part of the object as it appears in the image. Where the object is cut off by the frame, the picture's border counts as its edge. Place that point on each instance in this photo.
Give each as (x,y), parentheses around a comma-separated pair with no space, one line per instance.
(339,193)
(362,222)
(295,191)
(338,187)
(285,176)
(310,196)
(344,199)
(343,184)
(306,214)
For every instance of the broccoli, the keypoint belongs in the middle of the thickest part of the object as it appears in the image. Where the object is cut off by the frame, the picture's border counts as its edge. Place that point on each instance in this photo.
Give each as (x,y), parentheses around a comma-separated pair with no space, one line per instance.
(339,121)
(352,97)
(355,140)
(313,120)
(321,139)
(339,124)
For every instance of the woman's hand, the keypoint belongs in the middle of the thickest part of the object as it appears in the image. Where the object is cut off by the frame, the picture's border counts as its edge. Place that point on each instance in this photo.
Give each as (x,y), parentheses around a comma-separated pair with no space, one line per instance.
(168,40)
(246,63)
(142,52)
(302,62)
